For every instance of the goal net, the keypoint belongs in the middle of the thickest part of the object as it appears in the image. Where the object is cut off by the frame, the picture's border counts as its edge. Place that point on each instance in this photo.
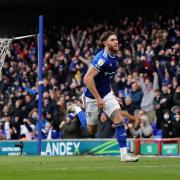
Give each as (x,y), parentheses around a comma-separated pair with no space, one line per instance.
(4,48)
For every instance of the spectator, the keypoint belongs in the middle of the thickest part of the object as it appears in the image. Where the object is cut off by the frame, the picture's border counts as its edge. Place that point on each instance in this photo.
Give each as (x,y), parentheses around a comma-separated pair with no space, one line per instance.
(145,130)
(167,124)
(7,127)
(105,129)
(2,133)
(136,95)
(148,96)
(28,129)
(176,121)
(5,111)
(167,96)
(71,127)
(158,101)
(52,133)
(176,97)
(129,105)
(15,128)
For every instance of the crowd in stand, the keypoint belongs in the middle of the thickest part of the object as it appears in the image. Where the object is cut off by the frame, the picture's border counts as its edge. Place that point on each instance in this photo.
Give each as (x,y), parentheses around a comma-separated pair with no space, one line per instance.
(147,80)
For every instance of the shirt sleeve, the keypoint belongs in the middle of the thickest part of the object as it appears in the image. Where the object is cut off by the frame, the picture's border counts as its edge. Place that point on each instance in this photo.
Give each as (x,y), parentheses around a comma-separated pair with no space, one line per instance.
(98,64)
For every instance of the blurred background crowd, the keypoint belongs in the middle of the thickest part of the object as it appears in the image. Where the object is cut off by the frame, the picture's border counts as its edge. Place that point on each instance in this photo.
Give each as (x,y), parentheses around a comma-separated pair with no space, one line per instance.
(147,80)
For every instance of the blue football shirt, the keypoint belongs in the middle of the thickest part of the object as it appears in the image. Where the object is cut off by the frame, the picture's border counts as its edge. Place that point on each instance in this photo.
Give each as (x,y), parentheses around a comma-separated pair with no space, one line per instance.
(107,66)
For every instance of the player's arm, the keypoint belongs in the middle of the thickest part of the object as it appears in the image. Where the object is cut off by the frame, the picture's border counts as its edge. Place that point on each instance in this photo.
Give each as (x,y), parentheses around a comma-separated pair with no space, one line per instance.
(89,81)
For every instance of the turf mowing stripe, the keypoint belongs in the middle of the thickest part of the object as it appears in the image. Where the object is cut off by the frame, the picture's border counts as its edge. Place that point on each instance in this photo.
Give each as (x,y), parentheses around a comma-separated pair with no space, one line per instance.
(103,167)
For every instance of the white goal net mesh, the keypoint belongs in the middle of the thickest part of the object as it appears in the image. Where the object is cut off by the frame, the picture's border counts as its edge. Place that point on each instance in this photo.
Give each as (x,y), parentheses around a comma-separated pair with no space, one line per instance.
(4,47)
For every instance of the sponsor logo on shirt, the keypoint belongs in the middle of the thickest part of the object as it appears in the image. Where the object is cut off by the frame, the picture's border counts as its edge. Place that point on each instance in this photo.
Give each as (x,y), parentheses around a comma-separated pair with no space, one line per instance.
(100,62)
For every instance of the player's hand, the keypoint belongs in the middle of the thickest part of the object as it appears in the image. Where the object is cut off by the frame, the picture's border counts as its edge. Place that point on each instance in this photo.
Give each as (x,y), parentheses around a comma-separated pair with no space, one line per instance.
(119,100)
(100,102)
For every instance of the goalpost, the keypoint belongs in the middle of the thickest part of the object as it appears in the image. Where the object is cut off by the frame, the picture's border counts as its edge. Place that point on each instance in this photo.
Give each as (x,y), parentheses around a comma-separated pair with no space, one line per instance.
(40,78)
(4,47)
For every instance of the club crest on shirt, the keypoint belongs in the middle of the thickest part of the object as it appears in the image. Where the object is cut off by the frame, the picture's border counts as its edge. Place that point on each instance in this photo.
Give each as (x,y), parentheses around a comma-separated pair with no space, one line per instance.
(101,62)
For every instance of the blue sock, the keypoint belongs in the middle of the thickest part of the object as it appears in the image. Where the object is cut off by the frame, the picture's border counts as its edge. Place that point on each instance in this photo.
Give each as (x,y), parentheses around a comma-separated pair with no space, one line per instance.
(82,118)
(121,135)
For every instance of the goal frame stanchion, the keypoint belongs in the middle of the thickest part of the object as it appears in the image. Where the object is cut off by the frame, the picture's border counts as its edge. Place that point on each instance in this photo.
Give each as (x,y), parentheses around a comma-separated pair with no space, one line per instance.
(40,80)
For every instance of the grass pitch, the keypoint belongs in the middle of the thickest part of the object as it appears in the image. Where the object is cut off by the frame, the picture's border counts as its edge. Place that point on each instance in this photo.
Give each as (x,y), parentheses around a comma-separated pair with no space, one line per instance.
(87,168)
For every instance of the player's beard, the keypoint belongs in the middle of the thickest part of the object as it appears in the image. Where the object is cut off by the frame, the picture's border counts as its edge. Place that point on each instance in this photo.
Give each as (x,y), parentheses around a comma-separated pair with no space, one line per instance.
(113,49)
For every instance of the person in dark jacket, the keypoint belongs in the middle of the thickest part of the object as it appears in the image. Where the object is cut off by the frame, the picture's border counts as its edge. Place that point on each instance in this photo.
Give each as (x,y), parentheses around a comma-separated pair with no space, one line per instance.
(136,95)
(71,127)
(176,97)
(176,120)
(167,124)
(129,105)
(158,101)
(105,129)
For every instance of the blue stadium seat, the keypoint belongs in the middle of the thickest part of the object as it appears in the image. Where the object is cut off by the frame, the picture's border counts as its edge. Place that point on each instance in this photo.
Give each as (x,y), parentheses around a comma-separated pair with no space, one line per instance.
(157,133)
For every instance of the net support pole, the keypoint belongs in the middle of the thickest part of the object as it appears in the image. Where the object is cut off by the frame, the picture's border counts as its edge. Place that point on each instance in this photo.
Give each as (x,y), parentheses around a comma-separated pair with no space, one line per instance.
(40,80)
